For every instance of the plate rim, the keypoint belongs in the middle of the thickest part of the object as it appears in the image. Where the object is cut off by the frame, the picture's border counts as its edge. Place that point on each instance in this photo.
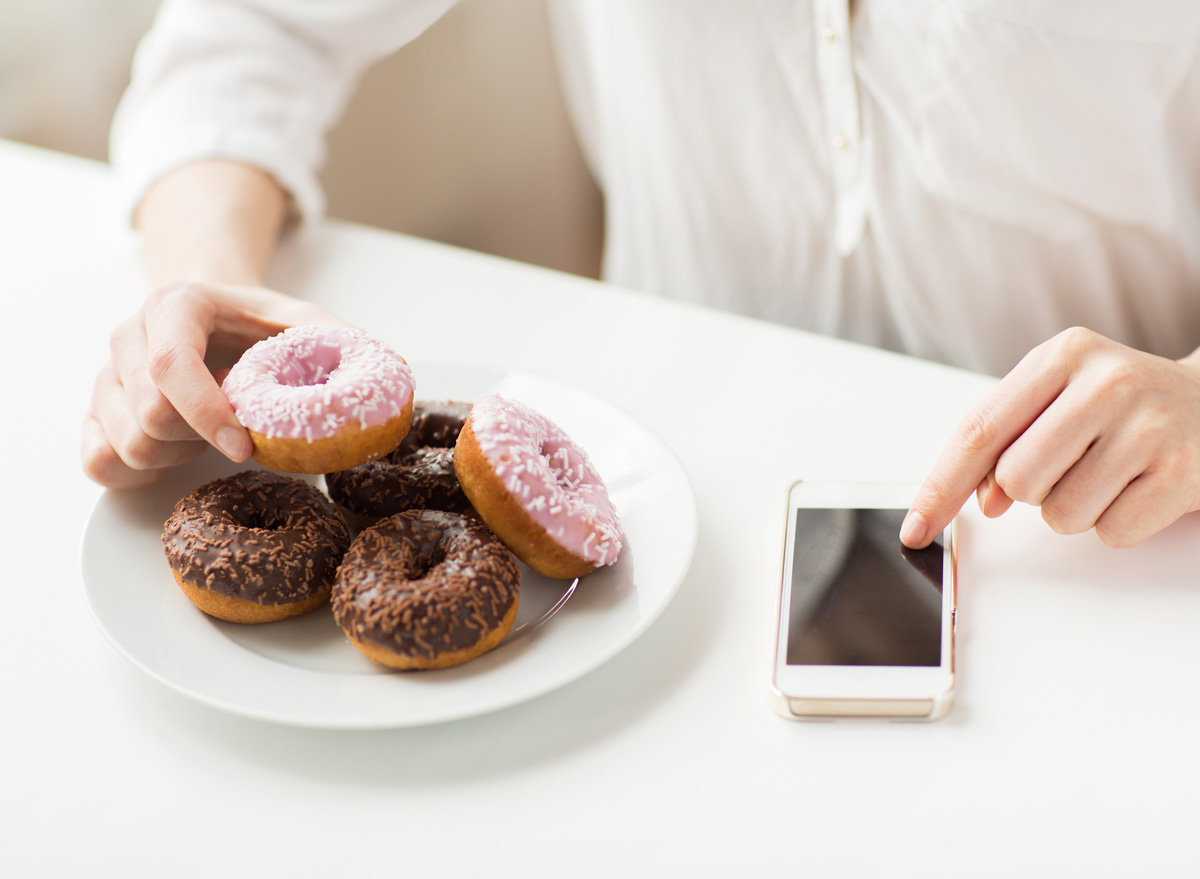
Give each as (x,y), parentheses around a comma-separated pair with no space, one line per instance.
(502,698)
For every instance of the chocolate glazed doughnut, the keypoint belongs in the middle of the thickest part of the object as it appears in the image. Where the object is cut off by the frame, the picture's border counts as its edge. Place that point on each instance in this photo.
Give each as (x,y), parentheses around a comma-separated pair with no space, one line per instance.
(426,589)
(255,547)
(417,475)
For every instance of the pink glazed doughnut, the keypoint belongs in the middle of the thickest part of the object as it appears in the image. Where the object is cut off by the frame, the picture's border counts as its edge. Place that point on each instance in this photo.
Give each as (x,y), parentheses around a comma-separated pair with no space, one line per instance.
(536,489)
(320,399)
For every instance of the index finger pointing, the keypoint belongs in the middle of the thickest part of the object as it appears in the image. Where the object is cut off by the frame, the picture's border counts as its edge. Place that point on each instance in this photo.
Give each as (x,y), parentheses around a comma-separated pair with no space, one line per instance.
(981,437)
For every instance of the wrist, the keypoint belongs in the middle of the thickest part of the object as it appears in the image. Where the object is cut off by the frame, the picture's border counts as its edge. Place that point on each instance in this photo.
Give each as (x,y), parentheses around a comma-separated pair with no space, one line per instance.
(212,221)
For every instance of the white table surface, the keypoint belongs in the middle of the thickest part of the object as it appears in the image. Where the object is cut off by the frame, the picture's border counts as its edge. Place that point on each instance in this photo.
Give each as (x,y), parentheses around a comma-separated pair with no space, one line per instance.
(1070,751)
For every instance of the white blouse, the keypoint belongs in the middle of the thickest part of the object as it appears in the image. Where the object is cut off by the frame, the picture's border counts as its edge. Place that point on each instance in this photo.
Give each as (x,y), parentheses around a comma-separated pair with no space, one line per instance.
(955,179)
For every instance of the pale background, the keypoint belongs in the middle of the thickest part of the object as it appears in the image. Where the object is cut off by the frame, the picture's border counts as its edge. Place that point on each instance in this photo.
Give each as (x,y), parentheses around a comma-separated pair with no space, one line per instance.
(462,137)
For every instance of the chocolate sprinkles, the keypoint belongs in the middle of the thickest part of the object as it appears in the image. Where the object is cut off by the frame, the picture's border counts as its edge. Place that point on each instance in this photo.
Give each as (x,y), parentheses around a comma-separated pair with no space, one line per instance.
(256,536)
(425,583)
(417,475)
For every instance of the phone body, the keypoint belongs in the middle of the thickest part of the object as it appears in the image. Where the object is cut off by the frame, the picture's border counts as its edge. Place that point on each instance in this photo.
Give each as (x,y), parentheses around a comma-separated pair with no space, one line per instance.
(864,626)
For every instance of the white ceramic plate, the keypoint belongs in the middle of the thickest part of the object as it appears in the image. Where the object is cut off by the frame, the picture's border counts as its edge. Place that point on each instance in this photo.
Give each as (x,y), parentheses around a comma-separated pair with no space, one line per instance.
(304,672)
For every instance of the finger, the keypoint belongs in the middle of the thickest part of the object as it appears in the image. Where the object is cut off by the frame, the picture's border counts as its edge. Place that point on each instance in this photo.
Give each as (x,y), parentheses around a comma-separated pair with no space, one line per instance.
(102,464)
(1148,504)
(1093,484)
(992,499)
(978,441)
(152,411)
(1034,462)
(133,447)
(177,328)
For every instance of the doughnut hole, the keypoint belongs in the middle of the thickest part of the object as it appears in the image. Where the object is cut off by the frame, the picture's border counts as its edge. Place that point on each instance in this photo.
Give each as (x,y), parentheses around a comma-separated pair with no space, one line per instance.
(298,373)
(259,519)
(567,473)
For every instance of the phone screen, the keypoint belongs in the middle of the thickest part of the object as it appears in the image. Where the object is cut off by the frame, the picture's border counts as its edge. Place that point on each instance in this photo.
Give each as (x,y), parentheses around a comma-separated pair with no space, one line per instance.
(859,596)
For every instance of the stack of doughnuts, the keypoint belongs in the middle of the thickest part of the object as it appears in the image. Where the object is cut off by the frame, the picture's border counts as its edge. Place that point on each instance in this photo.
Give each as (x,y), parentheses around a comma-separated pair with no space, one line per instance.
(447,497)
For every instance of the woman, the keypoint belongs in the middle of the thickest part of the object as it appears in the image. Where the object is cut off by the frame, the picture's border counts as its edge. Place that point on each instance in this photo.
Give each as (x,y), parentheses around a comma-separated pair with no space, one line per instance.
(955,181)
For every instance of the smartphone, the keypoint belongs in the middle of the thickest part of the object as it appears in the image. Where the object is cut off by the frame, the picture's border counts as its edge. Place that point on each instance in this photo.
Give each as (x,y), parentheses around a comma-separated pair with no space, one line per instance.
(864,626)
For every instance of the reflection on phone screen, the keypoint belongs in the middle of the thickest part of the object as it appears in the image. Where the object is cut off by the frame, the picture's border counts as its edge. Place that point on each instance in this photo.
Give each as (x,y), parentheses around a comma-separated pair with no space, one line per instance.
(859,596)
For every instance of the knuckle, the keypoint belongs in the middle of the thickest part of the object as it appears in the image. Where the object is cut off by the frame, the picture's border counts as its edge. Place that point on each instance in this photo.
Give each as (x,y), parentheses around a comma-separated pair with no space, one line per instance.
(935,494)
(979,430)
(1172,439)
(100,463)
(1076,342)
(105,465)
(1120,380)
(1184,461)
(162,360)
(157,417)
(158,296)
(1173,463)
(173,290)
(1061,518)
(1016,483)
(1117,536)
(139,453)
(119,337)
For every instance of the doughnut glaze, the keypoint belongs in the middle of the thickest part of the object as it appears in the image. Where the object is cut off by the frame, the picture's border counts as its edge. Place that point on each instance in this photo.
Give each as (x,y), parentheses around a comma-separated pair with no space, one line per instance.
(537,489)
(417,475)
(426,589)
(317,399)
(255,547)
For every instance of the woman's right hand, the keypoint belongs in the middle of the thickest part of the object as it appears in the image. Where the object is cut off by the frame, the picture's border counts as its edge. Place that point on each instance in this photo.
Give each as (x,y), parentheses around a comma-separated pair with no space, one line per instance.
(157,402)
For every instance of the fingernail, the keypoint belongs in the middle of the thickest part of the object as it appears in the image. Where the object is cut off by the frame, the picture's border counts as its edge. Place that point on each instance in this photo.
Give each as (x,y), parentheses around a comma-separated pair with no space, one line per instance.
(232,444)
(981,494)
(912,532)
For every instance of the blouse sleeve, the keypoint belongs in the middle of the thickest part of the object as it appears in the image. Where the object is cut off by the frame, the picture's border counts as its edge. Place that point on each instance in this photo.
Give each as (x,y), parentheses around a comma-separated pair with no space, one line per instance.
(258,81)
